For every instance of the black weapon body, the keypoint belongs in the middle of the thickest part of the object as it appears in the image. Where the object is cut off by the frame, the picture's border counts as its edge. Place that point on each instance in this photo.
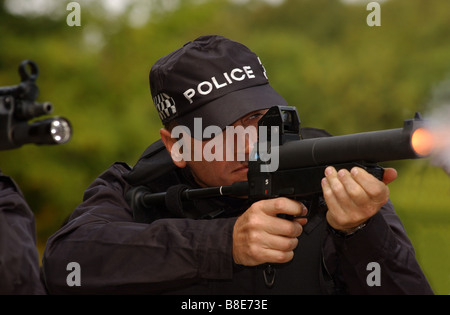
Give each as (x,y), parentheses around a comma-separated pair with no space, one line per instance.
(302,162)
(18,106)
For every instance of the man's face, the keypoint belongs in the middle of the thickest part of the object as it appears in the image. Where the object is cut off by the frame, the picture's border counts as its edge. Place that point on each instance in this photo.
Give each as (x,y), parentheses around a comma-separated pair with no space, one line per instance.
(234,148)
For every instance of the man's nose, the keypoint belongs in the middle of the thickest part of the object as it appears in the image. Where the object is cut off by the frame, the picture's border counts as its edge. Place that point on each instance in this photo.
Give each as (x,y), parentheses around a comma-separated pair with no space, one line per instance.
(245,141)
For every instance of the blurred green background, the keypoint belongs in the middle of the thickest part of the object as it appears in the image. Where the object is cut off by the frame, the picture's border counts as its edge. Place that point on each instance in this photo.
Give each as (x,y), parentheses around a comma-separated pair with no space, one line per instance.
(321,55)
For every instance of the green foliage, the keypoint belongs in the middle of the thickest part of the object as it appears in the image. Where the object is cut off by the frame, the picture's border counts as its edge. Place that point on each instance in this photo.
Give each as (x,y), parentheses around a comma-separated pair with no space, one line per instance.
(321,55)
(421,196)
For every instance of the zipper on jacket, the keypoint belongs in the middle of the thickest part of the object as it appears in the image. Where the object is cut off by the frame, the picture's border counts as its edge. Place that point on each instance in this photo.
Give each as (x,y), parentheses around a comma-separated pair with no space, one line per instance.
(269,275)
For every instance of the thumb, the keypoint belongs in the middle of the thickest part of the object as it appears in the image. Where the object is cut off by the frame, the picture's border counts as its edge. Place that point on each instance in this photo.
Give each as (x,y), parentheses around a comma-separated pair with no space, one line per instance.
(389,176)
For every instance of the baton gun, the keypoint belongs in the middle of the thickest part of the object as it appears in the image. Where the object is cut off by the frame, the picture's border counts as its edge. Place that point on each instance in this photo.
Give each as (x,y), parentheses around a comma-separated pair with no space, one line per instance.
(17,106)
(302,162)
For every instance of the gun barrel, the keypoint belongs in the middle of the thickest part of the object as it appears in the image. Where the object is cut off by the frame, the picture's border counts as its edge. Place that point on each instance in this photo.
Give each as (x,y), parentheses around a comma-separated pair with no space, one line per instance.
(26,110)
(371,147)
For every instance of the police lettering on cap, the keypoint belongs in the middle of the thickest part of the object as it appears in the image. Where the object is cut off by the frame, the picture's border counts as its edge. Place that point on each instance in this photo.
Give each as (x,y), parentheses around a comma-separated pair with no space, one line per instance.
(214,78)
(206,87)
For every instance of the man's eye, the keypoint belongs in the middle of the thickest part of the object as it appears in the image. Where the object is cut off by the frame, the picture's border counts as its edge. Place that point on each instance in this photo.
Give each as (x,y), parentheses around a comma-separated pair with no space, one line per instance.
(254,116)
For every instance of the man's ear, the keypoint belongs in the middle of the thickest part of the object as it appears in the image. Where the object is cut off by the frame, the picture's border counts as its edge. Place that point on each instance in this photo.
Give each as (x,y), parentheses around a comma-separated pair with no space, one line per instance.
(173,147)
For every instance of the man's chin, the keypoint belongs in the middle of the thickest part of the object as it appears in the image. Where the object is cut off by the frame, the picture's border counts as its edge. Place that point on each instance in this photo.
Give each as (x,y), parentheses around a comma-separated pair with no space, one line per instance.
(239,176)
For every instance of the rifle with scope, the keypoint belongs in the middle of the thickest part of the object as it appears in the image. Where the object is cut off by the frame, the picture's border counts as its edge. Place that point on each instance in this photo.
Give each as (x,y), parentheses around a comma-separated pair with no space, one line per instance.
(18,106)
(302,162)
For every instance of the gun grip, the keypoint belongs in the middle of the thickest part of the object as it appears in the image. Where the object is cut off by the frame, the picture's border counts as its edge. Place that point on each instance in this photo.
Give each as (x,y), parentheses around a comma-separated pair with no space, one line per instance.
(375,170)
(370,168)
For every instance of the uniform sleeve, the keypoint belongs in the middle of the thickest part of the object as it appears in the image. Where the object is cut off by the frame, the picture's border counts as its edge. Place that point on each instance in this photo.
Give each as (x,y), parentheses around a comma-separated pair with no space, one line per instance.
(117,255)
(19,259)
(379,259)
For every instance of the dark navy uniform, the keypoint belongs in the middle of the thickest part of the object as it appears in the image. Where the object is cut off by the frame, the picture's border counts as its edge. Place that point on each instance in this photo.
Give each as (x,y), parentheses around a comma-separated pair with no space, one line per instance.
(19,259)
(164,255)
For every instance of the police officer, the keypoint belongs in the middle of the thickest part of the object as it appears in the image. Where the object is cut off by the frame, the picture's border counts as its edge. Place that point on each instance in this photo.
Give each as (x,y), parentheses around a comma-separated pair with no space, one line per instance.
(227,245)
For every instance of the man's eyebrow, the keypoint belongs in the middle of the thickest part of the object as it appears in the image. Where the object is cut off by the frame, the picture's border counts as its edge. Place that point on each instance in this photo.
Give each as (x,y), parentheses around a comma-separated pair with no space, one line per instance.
(260,112)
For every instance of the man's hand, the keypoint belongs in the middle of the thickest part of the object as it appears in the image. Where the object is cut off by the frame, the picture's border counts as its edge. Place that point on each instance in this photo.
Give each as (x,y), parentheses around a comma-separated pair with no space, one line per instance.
(354,197)
(259,236)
